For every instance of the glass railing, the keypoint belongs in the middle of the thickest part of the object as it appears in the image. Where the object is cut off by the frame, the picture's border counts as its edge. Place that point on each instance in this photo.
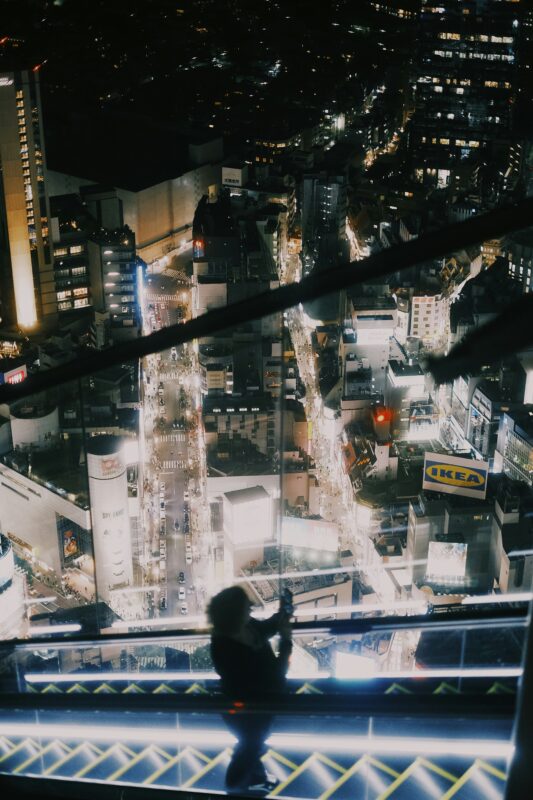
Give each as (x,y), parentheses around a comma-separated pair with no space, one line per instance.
(307,447)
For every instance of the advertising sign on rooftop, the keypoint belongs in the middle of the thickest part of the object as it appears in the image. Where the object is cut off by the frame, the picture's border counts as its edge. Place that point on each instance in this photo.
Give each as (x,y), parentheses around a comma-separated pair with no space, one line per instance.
(455,475)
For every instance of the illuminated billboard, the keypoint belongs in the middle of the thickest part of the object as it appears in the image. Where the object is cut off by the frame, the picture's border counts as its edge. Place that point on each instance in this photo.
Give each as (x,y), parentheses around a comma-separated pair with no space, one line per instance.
(455,475)
(446,561)
(70,544)
(16,375)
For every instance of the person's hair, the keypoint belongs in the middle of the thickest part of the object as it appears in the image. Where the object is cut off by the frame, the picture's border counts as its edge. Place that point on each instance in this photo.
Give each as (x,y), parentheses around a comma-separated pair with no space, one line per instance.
(226,609)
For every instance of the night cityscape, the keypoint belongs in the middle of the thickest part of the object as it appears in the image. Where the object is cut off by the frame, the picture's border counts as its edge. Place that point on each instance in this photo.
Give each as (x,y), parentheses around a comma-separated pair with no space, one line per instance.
(369,449)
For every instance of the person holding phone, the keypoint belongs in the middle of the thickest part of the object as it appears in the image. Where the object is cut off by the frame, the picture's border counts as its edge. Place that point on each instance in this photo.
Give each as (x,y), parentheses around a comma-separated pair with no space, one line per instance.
(249,670)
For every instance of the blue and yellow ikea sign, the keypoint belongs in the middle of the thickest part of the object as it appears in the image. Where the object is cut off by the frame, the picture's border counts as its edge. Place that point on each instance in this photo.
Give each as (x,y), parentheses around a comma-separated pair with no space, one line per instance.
(455,475)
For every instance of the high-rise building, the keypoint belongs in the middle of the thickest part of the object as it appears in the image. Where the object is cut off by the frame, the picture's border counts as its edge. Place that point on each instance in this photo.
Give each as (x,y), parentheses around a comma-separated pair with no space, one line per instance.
(324,208)
(26,273)
(465,82)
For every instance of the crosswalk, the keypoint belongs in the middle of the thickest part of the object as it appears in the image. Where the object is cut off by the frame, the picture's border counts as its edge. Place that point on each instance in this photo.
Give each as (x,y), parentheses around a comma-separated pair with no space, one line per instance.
(171,437)
(173,375)
(174,464)
(161,298)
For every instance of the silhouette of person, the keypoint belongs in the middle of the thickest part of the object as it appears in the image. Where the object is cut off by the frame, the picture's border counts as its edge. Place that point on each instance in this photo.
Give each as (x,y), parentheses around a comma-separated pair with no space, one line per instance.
(249,670)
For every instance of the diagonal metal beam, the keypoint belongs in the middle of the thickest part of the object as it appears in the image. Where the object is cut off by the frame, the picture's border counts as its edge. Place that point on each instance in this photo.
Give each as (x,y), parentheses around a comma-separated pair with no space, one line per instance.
(431,245)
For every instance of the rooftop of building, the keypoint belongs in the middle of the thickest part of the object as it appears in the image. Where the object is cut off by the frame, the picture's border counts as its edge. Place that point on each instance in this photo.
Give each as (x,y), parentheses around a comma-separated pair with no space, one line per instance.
(362,302)
(151,152)
(32,409)
(234,404)
(306,561)
(57,468)
(523,419)
(405,368)
(248,495)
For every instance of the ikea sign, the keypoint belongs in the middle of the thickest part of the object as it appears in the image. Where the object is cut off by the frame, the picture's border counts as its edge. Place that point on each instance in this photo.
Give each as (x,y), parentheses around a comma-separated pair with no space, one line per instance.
(455,475)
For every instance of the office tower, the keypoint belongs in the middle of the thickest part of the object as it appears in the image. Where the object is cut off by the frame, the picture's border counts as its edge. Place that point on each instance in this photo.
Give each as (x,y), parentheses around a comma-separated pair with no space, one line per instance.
(464,89)
(115,281)
(26,275)
(324,204)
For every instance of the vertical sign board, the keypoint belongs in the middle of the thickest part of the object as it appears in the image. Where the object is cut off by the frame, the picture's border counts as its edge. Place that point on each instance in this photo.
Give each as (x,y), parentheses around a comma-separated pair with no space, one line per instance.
(455,475)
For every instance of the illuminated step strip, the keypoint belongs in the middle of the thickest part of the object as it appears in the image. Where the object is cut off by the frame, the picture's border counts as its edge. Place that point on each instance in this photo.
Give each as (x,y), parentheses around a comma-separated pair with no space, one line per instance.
(294,742)
(450,673)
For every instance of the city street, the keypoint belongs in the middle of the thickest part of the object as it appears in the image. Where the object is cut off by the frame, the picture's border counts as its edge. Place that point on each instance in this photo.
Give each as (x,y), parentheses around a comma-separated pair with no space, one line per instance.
(175,513)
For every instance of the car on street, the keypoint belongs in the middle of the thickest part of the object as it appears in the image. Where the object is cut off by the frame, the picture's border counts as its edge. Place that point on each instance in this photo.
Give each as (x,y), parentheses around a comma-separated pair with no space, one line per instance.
(184,608)
(181,593)
(185,495)
(188,557)
(161,401)
(181,577)
(176,525)
(163,604)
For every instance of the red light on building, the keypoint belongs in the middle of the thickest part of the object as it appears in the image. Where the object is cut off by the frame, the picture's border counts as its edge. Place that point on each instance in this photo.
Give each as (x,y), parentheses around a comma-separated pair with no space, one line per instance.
(382,415)
(4,39)
(382,418)
(36,68)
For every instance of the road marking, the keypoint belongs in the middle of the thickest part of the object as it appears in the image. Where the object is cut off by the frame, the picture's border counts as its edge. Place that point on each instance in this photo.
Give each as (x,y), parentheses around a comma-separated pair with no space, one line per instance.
(158,298)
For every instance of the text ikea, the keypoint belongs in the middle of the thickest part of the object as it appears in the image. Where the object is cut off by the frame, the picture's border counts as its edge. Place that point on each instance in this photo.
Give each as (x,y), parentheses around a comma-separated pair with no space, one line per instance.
(454,476)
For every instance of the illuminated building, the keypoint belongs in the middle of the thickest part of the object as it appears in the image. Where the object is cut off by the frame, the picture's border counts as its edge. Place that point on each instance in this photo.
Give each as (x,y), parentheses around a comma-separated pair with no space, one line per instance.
(414,416)
(71,269)
(514,448)
(518,251)
(401,9)
(110,514)
(248,526)
(374,320)
(230,420)
(452,542)
(115,276)
(12,609)
(464,89)
(26,274)
(429,317)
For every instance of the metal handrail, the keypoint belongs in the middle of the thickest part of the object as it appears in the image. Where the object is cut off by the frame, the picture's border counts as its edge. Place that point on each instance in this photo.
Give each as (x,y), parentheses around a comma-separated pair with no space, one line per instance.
(338,704)
(489,619)
(429,246)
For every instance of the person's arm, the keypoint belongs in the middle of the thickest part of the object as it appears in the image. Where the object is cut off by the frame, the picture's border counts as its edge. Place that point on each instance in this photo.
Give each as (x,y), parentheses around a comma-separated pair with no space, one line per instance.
(271,626)
(285,645)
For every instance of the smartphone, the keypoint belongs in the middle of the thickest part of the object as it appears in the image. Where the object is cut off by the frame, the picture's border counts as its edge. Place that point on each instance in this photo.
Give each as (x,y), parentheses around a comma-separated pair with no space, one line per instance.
(286,604)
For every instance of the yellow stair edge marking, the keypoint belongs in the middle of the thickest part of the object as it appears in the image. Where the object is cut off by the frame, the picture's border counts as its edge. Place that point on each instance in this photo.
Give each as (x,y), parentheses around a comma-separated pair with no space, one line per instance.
(383,767)
(438,770)
(102,757)
(298,771)
(493,770)
(460,782)
(29,742)
(281,758)
(343,778)
(40,754)
(212,763)
(173,760)
(71,754)
(400,779)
